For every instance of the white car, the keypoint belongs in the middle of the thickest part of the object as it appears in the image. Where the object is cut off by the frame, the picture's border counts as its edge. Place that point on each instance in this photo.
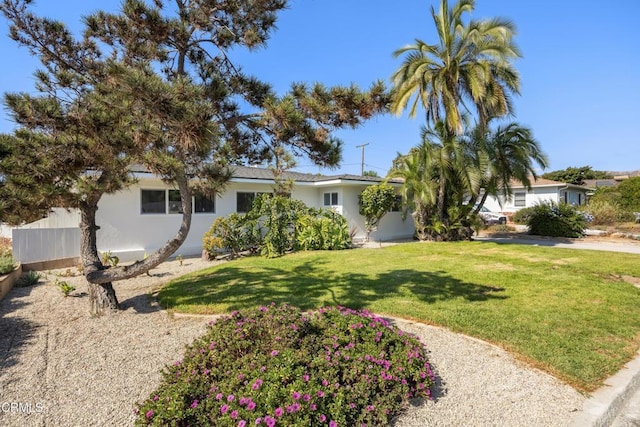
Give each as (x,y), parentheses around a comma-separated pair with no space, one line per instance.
(491,218)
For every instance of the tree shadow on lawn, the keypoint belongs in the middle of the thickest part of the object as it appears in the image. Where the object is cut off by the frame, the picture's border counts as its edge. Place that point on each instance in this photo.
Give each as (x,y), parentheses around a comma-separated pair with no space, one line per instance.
(16,331)
(309,286)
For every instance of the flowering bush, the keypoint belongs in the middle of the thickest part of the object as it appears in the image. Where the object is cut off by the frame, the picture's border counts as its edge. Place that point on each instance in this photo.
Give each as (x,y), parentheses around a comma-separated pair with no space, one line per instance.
(277,366)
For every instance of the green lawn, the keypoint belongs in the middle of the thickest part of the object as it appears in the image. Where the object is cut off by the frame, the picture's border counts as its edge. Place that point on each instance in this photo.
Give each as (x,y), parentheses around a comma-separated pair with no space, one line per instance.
(569,312)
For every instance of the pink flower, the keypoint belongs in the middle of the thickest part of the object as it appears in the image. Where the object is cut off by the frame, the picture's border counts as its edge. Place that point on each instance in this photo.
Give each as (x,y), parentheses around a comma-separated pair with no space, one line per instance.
(224,409)
(274,353)
(251,405)
(242,423)
(256,385)
(230,398)
(194,404)
(332,423)
(325,383)
(278,412)
(306,397)
(271,422)
(305,378)
(219,396)
(320,393)
(323,418)
(234,414)
(295,395)
(149,413)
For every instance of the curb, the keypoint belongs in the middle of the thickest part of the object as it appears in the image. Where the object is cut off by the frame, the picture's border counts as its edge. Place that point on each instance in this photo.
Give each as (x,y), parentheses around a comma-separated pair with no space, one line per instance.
(606,403)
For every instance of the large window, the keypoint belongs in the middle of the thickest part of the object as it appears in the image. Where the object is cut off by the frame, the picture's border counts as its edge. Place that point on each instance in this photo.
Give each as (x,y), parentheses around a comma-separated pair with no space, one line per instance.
(519,199)
(330,199)
(244,201)
(204,204)
(169,201)
(153,202)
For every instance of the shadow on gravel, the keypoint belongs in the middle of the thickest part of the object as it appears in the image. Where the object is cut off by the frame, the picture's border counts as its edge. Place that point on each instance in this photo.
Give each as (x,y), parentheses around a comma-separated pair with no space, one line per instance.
(143,304)
(15,331)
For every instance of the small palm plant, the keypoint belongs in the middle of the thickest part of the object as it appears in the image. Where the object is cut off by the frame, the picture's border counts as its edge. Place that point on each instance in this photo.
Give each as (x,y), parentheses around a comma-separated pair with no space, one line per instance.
(65,287)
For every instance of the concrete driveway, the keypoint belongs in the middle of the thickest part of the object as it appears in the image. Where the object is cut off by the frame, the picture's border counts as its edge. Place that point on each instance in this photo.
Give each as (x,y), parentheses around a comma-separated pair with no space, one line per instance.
(600,244)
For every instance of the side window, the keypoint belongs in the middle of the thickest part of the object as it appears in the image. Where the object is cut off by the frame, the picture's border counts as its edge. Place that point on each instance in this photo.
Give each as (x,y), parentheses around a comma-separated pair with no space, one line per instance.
(244,201)
(175,202)
(204,204)
(330,199)
(519,199)
(397,204)
(153,202)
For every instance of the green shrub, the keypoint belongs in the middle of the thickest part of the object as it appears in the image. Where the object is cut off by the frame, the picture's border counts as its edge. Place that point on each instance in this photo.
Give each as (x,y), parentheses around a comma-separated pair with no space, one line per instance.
(234,233)
(275,225)
(522,216)
(65,287)
(30,278)
(331,367)
(551,219)
(7,264)
(322,230)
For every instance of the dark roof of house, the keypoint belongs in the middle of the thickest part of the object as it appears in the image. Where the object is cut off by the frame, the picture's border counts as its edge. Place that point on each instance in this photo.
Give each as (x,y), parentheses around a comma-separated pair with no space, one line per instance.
(259,173)
(249,172)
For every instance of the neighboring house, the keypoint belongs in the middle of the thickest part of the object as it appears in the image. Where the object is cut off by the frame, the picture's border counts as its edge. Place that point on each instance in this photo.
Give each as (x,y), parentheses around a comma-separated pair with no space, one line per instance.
(141,218)
(541,190)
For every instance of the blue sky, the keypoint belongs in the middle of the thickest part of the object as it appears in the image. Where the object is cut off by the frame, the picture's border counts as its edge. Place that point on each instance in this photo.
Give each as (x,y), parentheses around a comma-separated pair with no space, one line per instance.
(580,72)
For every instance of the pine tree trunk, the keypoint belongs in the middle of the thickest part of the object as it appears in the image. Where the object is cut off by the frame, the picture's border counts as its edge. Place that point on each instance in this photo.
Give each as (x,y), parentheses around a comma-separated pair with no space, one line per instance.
(102,297)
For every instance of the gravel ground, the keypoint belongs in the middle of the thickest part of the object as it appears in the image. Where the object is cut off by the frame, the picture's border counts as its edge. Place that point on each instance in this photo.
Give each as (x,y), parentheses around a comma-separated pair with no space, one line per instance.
(61,367)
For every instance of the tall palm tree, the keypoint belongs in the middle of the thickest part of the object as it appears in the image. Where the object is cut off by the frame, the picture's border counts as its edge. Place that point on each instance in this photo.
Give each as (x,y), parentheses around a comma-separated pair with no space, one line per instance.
(513,154)
(471,63)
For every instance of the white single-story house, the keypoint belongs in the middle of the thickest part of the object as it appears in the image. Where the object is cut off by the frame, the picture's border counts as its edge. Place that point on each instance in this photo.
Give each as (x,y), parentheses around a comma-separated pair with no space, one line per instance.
(542,190)
(141,218)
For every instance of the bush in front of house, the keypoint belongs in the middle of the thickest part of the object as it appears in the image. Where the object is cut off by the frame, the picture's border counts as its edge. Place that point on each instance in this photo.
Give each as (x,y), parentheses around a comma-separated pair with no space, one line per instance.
(7,264)
(278,366)
(275,225)
(556,220)
(522,216)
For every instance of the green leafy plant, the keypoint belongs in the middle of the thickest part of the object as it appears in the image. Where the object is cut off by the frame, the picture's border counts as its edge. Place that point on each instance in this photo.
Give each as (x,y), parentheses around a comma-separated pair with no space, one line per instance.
(274,364)
(322,229)
(556,220)
(7,264)
(30,278)
(522,216)
(109,259)
(374,202)
(65,287)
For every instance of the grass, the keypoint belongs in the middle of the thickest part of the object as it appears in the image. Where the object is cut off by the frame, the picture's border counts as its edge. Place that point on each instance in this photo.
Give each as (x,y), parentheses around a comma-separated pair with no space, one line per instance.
(568,312)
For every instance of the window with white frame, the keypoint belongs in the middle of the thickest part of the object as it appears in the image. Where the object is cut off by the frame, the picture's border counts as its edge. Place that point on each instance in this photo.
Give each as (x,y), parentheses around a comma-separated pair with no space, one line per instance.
(519,199)
(330,199)
(169,201)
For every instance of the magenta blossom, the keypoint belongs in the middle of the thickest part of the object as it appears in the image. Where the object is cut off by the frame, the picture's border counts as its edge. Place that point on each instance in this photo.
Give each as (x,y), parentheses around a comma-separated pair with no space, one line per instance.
(278,412)
(194,404)
(149,413)
(251,405)
(224,409)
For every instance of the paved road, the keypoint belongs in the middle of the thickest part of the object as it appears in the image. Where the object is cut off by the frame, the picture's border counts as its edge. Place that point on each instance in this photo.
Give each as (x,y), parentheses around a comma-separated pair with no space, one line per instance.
(631,247)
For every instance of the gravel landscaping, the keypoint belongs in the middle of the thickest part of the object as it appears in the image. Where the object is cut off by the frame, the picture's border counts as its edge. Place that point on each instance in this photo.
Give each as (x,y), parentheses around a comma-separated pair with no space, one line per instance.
(61,367)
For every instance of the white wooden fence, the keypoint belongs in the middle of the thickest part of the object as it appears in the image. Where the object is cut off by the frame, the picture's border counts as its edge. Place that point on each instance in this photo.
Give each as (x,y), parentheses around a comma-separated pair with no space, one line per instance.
(45,244)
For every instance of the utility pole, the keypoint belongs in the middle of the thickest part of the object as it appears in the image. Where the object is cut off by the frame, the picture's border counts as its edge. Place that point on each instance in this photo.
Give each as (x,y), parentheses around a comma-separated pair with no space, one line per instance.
(362,168)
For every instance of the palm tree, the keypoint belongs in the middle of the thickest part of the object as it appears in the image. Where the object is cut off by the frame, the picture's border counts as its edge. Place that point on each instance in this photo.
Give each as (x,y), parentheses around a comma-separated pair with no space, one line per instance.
(437,175)
(470,64)
(513,154)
